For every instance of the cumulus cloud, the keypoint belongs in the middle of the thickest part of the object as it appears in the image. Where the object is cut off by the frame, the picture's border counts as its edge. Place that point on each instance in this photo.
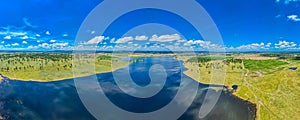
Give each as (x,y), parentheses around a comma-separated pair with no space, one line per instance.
(281,45)
(268,45)
(96,40)
(44,45)
(202,44)
(65,35)
(165,38)
(32,47)
(285,45)
(52,41)
(63,45)
(24,37)
(7,37)
(112,40)
(7,45)
(181,41)
(287,1)
(15,44)
(17,33)
(59,45)
(48,33)
(294,18)
(124,39)
(253,46)
(143,37)
(24,42)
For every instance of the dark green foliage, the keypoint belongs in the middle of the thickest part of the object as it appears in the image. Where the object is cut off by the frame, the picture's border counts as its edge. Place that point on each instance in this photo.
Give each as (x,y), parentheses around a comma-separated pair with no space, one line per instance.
(204,59)
(104,57)
(296,58)
(263,64)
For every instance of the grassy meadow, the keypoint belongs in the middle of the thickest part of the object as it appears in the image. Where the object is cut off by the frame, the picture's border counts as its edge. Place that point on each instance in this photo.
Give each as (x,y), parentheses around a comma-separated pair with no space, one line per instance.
(265,80)
(46,67)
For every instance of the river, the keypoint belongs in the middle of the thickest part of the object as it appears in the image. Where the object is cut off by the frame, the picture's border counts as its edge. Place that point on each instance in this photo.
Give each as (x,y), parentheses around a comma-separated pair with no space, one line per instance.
(60,100)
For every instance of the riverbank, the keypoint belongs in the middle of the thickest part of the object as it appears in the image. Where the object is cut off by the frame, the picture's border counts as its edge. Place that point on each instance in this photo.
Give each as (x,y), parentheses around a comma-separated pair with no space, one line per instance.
(47,67)
(204,75)
(267,83)
(51,76)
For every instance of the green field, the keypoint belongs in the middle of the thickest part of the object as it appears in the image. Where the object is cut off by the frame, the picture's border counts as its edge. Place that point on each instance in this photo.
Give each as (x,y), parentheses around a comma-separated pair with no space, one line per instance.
(46,67)
(265,65)
(269,84)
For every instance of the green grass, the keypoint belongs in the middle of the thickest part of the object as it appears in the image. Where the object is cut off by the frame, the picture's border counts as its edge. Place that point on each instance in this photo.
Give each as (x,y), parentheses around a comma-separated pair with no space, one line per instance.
(276,92)
(209,58)
(105,57)
(54,66)
(263,65)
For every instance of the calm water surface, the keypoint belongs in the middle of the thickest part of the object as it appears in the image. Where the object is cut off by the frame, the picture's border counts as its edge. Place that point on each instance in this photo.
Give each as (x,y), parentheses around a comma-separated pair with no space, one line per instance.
(59,100)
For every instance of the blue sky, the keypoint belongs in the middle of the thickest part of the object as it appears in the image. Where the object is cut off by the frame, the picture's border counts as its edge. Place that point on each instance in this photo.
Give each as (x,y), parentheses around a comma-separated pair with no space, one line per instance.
(244,25)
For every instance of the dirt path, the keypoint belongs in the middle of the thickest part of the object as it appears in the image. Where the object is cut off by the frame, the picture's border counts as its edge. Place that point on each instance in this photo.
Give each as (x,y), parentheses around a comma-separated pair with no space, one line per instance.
(257,99)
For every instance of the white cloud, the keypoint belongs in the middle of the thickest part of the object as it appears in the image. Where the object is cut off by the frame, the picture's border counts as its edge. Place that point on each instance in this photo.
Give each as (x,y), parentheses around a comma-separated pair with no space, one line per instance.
(7,37)
(2,42)
(24,37)
(181,41)
(294,18)
(96,40)
(177,44)
(3,33)
(268,45)
(37,35)
(203,44)
(93,32)
(143,37)
(52,41)
(17,33)
(124,39)
(287,1)
(254,46)
(285,45)
(112,40)
(44,45)
(24,42)
(48,33)
(38,41)
(15,44)
(135,45)
(7,45)
(32,47)
(65,35)
(60,45)
(165,38)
